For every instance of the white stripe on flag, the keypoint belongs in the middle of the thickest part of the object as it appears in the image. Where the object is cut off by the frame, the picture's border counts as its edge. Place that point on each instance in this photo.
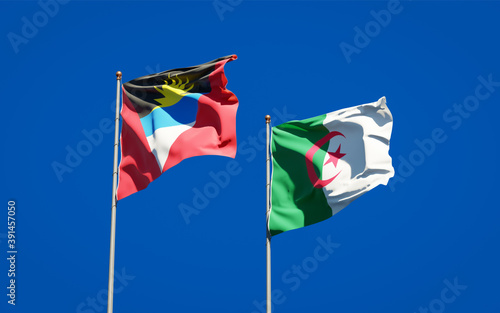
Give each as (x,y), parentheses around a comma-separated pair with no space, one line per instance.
(162,139)
(366,164)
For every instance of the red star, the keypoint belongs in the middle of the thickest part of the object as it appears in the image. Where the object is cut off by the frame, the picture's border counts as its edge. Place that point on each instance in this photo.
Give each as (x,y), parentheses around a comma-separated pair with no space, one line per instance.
(334,157)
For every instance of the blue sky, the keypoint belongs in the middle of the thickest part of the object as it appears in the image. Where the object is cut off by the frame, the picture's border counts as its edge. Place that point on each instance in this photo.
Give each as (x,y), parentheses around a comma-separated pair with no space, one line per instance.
(429,240)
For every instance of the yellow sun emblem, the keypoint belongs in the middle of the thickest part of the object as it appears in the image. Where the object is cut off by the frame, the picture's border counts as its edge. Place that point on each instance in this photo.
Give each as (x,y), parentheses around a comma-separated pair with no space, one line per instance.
(173,91)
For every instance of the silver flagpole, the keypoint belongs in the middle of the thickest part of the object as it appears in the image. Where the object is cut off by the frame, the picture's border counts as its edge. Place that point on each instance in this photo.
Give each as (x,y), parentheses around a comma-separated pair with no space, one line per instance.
(113,200)
(268,191)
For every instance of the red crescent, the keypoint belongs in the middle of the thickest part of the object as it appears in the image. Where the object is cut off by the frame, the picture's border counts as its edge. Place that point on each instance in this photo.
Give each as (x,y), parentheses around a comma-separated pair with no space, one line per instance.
(319,183)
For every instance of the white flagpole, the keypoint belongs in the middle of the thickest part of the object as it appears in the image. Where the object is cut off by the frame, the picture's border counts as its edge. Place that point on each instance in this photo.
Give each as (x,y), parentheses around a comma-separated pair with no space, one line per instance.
(113,200)
(268,191)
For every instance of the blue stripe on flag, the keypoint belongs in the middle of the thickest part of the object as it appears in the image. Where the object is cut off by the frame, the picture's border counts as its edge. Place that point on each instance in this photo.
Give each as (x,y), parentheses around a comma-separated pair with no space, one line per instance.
(183,112)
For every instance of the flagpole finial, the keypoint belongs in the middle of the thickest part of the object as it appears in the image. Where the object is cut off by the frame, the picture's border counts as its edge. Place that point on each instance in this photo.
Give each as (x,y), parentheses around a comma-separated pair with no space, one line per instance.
(268,119)
(118,75)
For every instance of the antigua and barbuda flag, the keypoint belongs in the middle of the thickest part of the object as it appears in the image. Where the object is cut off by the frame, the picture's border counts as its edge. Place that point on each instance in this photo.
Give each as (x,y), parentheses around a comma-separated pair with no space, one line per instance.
(322,164)
(171,116)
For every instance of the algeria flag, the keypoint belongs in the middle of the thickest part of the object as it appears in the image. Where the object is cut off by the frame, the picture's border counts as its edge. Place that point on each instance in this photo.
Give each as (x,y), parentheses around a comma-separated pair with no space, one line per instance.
(322,164)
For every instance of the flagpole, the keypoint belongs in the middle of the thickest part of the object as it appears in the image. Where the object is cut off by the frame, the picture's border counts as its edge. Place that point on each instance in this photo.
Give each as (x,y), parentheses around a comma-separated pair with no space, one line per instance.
(113,199)
(268,235)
